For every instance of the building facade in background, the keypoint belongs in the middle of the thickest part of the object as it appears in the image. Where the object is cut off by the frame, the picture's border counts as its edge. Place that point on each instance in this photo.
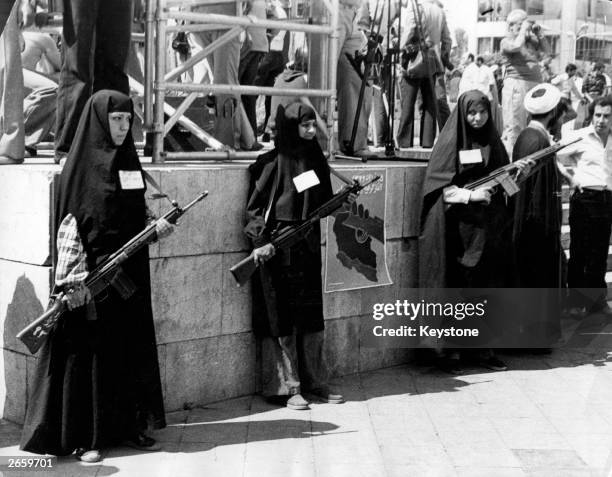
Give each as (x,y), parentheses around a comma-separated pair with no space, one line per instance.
(578,31)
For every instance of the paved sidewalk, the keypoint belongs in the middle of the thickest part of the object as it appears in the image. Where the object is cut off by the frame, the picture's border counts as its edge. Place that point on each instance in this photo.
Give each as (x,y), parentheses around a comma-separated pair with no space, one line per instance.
(548,415)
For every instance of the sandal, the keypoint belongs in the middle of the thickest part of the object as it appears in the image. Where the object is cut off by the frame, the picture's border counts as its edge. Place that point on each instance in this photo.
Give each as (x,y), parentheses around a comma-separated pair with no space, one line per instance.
(143,442)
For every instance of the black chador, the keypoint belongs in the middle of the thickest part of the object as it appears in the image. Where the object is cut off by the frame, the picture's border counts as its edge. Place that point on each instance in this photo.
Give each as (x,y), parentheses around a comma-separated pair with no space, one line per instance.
(294,276)
(287,295)
(465,245)
(537,239)
(97,379)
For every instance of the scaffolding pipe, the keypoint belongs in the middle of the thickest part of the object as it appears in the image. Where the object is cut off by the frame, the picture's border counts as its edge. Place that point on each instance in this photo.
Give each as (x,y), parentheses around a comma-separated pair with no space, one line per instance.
(160,68)
(182,109)
(156,43)
(184,121)
(245,90)
(195,3)
(195,59)
(148,66)
(332,58)
(248,22)
(212,155)
(195,27)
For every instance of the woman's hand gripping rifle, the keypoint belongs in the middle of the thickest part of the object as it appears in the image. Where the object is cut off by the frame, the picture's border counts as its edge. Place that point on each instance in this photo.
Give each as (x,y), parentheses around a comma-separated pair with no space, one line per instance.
(108,273)
(289,236)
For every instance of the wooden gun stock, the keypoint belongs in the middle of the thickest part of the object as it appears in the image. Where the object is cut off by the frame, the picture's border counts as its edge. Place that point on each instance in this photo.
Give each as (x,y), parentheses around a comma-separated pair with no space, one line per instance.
(33,335)
(243,270)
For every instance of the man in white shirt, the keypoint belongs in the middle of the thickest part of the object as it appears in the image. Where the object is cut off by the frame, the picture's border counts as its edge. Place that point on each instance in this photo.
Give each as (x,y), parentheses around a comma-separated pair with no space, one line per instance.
(590,210)
(566,82)
(477,76)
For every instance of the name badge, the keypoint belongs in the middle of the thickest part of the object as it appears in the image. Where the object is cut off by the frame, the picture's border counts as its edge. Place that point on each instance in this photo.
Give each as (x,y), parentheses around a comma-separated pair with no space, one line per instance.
(305,180)
(472,156)
(131,180)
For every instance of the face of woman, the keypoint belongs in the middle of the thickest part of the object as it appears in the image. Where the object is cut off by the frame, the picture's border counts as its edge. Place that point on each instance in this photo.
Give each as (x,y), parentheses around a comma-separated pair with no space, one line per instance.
(477,116)
(119,126)
(306,129)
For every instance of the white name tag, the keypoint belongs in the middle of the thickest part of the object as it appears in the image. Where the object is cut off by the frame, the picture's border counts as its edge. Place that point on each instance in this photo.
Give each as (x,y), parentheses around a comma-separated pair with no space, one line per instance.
(306,180)
(473,156)
(131,180)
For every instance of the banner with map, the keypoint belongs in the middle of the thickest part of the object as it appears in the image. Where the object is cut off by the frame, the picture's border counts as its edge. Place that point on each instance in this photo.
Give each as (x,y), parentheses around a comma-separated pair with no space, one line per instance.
(355,255)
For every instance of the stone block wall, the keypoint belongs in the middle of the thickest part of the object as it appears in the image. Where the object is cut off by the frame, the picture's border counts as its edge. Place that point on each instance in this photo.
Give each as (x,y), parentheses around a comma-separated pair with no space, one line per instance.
(207,351)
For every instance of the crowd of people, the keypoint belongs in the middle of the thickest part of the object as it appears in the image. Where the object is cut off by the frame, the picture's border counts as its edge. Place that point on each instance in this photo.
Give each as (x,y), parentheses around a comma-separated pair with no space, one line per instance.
(94,387)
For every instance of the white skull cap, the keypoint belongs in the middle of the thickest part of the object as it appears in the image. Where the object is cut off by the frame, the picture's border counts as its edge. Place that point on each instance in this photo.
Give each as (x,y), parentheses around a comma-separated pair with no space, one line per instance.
(542,98)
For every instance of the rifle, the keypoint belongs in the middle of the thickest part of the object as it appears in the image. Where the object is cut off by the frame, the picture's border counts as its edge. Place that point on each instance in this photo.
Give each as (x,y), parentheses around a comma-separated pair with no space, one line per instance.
(108,273)
(289,236)
(501,176)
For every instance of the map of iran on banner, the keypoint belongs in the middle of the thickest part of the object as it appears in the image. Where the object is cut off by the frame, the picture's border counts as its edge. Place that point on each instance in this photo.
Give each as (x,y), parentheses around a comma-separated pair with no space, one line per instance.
(355,255)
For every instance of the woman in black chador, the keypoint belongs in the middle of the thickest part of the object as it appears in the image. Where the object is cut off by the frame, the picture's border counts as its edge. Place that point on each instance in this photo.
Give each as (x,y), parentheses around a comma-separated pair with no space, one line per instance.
(466,235)
(97,381)
(287,184)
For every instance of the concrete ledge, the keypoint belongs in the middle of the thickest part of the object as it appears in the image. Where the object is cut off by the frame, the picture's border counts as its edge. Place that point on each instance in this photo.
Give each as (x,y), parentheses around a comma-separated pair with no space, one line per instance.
(25,195)
(209,369)
(207,351)
(24,292)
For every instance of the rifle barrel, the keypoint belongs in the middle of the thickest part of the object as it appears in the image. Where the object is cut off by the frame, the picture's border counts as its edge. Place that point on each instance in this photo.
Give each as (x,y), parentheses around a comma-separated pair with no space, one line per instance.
(194,201)
(508,167)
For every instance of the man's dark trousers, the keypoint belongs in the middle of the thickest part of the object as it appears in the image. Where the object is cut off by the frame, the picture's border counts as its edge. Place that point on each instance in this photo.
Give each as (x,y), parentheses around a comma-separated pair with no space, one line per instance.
(590,223)
(409,89)
(95,47)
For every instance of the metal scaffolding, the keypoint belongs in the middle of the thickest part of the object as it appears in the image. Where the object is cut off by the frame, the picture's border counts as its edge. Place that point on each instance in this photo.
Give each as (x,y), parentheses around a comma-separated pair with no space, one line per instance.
(158,81)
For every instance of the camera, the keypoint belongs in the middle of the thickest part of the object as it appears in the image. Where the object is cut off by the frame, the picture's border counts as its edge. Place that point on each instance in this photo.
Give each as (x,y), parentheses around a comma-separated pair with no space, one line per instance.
(533,27)
(180,44)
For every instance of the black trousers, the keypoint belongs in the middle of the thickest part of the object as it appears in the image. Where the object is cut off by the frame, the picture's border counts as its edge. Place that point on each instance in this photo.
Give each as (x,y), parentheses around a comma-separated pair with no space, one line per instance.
(5,10)
(247,72)
(409,89)
(269,68)
(95,47)
(590,224)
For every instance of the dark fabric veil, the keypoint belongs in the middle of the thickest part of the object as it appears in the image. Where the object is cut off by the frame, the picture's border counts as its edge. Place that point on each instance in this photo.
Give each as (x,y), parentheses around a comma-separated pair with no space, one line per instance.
(444,169)
(296,156)
(287,291)
(106,215)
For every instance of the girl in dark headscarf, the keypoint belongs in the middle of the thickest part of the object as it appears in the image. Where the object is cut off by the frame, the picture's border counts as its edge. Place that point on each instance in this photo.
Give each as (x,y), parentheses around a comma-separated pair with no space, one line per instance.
(466,235)
(288,184)
(97,382)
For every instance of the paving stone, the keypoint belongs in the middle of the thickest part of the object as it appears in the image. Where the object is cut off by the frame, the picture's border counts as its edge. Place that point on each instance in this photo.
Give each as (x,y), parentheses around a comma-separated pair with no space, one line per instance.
(549,458)
(270,468)
(284,450)
(403,421)
(354,469)
(489,471)
(433,469)
(466,455)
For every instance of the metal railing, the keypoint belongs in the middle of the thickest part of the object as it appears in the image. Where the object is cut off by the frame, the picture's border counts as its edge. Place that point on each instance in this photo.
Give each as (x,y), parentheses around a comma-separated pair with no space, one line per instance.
(158,81)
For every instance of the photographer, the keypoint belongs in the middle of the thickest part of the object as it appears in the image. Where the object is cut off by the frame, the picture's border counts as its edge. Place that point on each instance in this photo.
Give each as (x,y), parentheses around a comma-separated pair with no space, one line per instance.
(522,49)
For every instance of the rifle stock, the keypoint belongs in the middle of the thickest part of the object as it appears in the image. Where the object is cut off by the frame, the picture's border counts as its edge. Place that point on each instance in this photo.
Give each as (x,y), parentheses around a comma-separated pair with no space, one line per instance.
(243,270)
(33,335)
